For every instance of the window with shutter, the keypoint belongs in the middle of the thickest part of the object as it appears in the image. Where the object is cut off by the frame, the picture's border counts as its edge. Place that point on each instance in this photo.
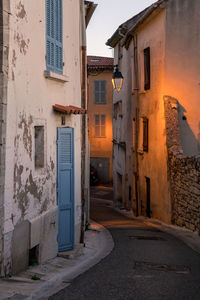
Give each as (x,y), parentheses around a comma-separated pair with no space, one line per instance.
(100,125)
(147,68)
(145,134)
(100,92)
(54,43)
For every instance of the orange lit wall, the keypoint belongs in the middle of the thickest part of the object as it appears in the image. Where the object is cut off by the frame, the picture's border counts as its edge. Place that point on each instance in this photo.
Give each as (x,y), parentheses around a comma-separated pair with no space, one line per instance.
(101,146)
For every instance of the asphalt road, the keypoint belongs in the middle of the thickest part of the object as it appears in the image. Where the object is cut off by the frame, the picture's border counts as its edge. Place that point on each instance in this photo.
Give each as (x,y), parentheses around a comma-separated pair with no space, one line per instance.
(145,263)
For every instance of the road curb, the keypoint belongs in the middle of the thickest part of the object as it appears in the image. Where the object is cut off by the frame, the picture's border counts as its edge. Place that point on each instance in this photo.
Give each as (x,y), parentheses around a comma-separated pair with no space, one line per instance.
(99,244)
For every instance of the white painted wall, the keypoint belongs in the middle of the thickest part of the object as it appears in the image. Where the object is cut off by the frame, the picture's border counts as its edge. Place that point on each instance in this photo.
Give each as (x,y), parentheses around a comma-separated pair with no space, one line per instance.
(28,192)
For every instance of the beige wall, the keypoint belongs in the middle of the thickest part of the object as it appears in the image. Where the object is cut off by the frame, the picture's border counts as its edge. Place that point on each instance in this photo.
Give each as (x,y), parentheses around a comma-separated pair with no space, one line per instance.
(101,147)
(153,164)
(172,35)
(182,67)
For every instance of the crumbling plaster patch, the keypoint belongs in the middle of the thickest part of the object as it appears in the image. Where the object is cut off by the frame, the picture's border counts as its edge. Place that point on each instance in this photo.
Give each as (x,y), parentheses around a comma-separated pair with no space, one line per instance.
(25,124)
(22,43)
(21,13)
(34,190)
(14,58)
(27,187)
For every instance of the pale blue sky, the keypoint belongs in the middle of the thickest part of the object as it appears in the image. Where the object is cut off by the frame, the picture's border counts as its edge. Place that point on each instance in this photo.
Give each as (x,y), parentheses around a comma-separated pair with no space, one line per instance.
(108,15)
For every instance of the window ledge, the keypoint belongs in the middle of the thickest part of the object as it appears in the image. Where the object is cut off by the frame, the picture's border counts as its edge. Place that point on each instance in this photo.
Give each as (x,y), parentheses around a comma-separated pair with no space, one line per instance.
(142,92)
(140,151)
(55,76)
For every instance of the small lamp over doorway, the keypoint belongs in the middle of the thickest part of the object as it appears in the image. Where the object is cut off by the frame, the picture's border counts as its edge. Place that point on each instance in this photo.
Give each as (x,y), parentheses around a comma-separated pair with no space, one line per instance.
(117,79)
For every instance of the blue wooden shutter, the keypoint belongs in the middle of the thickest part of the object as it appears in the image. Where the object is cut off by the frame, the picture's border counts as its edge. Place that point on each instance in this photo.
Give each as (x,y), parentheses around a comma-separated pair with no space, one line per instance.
(58,42)
(54,57)
(65,188)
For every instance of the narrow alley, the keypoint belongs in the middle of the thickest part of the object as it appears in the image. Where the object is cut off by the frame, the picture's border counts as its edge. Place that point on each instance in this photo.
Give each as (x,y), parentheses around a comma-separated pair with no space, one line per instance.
(145,263)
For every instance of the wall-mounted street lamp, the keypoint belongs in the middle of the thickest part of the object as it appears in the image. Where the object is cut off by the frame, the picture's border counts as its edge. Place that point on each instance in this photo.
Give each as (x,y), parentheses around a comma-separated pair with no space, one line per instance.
(117,79)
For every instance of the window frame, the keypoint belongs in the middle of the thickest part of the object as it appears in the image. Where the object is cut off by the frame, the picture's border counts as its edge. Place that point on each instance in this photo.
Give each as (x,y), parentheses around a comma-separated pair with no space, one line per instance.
(100,126)
(54,36)
(37,163)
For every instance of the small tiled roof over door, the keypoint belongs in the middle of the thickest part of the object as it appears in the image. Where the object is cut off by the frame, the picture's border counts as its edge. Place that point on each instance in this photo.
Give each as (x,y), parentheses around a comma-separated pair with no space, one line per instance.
(69,109)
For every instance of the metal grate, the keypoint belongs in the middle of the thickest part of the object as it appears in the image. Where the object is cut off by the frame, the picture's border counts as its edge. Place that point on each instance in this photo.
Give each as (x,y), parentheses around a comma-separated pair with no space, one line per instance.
(162,267)
(146,238)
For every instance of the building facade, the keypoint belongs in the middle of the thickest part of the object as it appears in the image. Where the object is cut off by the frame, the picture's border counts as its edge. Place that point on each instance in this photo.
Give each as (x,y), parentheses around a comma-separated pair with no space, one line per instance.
(156,51)
(100,71)
(41,131)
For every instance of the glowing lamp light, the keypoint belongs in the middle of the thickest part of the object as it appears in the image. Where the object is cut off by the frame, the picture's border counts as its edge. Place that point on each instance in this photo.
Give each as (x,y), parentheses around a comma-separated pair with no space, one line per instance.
(117,79)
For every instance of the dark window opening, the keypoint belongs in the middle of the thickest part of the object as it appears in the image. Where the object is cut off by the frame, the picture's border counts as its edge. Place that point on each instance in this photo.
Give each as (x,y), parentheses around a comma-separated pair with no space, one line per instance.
(148,198)
(147,68)
(34,256)
(145,134)
(39,146)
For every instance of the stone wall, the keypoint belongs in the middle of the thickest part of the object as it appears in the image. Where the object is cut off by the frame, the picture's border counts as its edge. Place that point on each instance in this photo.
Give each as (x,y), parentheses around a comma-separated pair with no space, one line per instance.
(183,173)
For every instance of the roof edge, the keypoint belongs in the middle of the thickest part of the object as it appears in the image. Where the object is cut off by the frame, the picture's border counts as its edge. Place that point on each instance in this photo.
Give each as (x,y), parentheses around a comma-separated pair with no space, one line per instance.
(123,31)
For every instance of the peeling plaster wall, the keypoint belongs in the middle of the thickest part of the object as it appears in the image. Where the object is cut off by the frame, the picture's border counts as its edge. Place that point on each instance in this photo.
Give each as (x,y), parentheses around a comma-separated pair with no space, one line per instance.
(29,192)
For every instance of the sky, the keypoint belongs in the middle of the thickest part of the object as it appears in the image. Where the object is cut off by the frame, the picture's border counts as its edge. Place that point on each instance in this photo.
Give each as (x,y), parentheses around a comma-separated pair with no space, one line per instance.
(107,17)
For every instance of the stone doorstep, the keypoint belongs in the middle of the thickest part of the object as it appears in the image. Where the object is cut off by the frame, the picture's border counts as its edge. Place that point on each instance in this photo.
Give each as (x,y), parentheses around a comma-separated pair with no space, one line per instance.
(71,254)
(19,279)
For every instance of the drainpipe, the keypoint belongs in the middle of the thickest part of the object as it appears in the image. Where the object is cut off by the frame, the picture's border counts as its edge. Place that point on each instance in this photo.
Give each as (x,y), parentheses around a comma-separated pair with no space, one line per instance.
(136,122)
(1,140)
(84,116)
(4,47)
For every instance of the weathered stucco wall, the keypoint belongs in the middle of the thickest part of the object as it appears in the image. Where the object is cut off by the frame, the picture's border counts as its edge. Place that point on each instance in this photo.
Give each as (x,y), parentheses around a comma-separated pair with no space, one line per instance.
(182,66)
(30,192)
(183,172)
(153,164)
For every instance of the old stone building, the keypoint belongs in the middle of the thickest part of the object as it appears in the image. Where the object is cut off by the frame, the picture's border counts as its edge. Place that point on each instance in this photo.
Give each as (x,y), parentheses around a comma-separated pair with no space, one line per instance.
(157,113)
(43,134)
(100,71)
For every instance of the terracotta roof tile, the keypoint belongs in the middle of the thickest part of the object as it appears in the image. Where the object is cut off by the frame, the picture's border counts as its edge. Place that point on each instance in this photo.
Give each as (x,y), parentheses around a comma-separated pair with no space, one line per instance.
(69,109)
(99,62)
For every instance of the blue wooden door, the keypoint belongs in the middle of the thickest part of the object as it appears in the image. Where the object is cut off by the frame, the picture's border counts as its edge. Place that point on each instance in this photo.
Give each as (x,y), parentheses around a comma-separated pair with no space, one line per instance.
(65,186)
